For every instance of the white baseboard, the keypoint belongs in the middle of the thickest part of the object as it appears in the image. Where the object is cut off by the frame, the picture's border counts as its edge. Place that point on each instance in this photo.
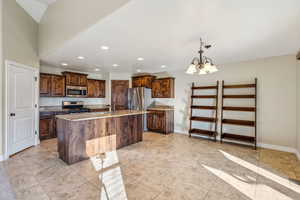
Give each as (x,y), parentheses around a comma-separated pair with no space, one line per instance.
(278,148)
(263,145)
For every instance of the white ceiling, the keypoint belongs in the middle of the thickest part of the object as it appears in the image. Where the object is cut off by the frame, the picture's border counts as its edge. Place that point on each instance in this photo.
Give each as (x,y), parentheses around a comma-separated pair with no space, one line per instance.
(167,33)
(35,8)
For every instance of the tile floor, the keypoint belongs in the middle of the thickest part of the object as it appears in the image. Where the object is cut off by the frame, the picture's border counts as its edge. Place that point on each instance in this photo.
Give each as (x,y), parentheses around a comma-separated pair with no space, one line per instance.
(173,167)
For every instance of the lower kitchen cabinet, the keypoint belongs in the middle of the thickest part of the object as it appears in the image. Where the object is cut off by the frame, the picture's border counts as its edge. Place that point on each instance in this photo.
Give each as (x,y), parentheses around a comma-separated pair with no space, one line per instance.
(161,121)
(47,127)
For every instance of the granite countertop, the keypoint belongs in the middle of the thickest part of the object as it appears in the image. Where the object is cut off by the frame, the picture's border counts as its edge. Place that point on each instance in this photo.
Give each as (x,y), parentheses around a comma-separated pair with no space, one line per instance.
(99,115)
(60,109)
(162,107)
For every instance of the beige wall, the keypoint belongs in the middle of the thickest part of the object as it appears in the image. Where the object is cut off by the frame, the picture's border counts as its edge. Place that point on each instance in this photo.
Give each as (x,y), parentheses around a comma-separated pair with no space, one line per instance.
(1,77)
(20,33)
(276,97)
(66,18)
(298,108)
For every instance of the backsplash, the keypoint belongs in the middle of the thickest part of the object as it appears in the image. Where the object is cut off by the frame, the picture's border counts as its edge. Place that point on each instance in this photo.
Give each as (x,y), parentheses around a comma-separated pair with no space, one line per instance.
(48,101)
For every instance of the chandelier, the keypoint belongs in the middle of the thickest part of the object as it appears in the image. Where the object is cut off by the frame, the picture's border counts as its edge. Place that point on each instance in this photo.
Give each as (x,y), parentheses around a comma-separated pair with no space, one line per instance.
(203,64)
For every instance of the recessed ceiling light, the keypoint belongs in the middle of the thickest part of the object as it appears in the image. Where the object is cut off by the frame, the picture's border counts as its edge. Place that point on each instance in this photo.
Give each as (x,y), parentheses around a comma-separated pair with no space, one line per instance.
(163,66)
(104,47)
(64,64)
(140,59)
(115,65)
(138,70)
(97,69)
(81,57)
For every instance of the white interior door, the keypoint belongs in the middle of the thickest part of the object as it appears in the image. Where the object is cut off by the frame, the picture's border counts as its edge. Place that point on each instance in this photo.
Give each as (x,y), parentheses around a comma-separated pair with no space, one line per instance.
(22,103)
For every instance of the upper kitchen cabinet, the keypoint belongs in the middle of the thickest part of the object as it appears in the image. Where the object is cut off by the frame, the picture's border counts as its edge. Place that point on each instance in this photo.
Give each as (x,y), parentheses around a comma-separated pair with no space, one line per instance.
(45,85)
(75,79)
(52,85)
(57,86)
(96,88)
(142,81)
(163,88)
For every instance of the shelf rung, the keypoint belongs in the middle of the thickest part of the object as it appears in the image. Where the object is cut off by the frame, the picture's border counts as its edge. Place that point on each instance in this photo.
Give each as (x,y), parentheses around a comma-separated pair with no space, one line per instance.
(242,138)
(202,132)
(204,107)
(203,119)
(204,96)
(240,86)
(238,122)
(246,109)
(239,96)
(204,87)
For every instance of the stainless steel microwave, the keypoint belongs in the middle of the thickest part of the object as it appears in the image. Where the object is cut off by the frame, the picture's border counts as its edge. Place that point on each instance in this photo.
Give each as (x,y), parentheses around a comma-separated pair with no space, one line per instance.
(76,91)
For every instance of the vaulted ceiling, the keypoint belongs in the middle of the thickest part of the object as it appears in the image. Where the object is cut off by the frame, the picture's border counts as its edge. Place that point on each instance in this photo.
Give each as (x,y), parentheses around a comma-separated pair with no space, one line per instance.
(35,8)
(167,33)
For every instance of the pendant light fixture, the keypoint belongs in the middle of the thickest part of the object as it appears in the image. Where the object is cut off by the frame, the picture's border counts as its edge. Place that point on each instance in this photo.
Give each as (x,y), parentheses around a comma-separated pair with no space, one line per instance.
(203,64)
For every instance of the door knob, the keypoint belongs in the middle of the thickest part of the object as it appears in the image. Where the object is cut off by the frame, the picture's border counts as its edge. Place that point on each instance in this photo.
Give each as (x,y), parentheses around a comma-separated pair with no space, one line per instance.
(12,114)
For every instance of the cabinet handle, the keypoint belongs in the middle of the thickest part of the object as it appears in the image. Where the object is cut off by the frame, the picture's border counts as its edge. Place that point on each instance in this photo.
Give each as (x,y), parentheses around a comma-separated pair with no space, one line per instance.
(12,114)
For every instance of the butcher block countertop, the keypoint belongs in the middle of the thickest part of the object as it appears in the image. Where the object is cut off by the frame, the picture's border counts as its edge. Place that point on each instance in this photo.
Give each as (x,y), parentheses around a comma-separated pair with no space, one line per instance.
(99,115)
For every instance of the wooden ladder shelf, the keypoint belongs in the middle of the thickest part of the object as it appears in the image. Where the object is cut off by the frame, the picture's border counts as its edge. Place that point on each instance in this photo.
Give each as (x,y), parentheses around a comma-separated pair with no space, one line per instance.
(196,131)
(237,122)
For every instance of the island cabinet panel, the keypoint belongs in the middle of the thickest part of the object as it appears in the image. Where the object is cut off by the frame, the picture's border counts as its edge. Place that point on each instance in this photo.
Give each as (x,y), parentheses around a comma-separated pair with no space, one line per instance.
(163,88)
(79,140)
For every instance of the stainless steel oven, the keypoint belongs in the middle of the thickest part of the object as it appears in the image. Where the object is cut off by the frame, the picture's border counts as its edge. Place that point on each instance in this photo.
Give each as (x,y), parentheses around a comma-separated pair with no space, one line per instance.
(76,91)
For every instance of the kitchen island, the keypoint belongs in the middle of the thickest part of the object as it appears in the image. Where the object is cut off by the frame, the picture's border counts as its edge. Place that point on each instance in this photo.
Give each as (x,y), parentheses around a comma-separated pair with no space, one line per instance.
(81,136)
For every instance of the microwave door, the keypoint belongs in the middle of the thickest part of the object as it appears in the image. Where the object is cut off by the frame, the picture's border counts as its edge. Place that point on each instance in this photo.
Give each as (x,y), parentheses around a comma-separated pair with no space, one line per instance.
(76,92)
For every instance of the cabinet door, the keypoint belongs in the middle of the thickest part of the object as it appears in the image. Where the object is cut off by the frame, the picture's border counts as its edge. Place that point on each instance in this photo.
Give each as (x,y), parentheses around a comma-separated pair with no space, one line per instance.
(46,128)
(58,86)
(82,80)
(165,88)
(156,89)
(45,85)
(156,121)
(74,79)
(147,81)
(91,88)
(101,88)
(136,82)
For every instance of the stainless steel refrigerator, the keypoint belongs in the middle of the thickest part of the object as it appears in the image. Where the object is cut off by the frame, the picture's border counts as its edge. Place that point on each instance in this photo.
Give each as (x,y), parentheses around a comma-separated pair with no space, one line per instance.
(139,99)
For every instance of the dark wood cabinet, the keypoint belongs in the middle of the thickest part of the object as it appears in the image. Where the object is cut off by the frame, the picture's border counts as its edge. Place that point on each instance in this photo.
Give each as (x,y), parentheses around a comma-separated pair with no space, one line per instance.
(89,138)
(75,79)
(119,94)
(47,127)
(52,85)
(45,85)
(163,88)
(142,81)
(57,86)
(96,88)
(161,121)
